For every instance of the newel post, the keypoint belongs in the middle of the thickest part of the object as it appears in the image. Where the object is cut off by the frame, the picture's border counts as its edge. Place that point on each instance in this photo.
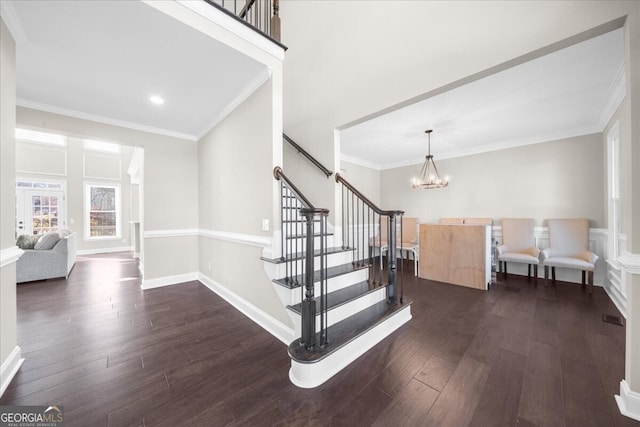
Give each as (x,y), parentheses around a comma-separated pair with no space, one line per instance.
(392,287)
(308,338)
(275,20)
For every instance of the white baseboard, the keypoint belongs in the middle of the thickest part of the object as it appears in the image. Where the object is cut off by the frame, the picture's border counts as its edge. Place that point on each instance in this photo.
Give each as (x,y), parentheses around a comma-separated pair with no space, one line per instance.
(105,250)
(628,401)
(168,280)
(271,325)
(619,300)
(10,368)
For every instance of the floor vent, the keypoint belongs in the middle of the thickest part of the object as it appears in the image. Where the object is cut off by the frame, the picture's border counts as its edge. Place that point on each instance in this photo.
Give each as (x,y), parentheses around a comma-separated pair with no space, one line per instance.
(616,320)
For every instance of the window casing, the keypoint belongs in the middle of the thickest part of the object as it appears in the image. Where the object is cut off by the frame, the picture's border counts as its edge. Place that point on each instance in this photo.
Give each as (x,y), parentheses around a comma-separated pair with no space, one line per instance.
(102,211)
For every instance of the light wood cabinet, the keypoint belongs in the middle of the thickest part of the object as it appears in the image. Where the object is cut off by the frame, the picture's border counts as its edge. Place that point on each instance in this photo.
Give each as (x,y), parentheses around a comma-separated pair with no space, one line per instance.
(456,254)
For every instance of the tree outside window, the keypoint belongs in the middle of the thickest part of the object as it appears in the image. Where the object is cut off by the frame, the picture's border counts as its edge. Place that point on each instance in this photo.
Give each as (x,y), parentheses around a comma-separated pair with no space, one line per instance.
(103,211)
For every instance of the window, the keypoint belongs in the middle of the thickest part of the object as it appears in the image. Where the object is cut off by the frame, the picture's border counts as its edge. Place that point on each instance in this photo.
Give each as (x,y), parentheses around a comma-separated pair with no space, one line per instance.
(106,147)
(26,135)
(102,211)
(40,206)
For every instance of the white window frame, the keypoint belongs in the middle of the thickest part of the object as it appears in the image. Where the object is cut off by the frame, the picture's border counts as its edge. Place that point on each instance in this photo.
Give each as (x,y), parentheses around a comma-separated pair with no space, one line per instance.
(613,191)
(87,208)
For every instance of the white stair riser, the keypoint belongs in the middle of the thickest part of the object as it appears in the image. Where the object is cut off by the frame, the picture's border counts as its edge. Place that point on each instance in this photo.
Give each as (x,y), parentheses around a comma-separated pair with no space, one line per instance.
(343,311)
(294,296)
(338,258)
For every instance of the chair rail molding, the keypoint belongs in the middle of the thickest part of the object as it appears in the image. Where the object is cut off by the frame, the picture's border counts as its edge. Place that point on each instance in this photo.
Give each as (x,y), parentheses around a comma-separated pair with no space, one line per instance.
(10,255)
(629,262)
(229,236)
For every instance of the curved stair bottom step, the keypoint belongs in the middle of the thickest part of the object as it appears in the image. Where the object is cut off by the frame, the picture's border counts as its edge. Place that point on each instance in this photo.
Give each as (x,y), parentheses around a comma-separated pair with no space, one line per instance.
(314,373)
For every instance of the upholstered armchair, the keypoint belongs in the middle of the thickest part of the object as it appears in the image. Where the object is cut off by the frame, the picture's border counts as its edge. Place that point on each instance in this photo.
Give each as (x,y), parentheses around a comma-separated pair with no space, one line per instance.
(518,245)
(569,248)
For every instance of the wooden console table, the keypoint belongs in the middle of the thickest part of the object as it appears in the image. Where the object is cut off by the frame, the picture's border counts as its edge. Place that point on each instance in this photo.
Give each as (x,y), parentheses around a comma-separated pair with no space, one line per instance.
(456,254)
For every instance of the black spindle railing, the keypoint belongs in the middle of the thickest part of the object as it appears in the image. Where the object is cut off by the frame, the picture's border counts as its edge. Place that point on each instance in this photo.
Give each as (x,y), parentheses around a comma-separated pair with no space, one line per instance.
(262,15)
(370,232)
(303,227)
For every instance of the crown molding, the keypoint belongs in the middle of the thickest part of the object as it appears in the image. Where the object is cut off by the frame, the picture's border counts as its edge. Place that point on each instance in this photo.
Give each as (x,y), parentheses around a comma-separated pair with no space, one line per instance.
(14,25)
(254,85)
(101,119)
(360,162)
(615,95)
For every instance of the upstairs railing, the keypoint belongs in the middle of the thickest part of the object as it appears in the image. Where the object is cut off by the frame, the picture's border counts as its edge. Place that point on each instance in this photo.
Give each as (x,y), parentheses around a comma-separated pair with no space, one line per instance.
(303,225)
(262,15)
(370,232)
(309,157)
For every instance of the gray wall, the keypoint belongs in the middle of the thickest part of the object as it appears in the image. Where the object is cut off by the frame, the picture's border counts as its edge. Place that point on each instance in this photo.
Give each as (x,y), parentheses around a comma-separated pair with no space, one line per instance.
(235,184)
(549,180)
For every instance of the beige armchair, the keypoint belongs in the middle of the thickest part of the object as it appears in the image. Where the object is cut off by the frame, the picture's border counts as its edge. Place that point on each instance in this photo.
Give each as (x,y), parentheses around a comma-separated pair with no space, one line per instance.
(408,241)
(569,248)
(518,245)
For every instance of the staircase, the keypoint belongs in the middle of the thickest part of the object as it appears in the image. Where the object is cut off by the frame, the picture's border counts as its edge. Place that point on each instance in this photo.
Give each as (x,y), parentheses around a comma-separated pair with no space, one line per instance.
(338,293)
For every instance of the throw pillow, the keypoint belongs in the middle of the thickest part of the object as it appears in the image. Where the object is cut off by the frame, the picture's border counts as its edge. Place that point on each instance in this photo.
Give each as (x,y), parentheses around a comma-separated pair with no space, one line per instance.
(47,241)
(26,241)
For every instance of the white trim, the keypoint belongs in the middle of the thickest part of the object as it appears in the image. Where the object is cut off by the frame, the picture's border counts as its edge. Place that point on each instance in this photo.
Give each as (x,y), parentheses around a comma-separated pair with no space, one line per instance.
(245,239)
(105,250)
(184,232)
(104,156)
(276,328)
(619,300)
(101,119)
(168,280)
(628,401)
(309,375)
(10,255)
(230,24)
(244,94)
(10,368)
(42,147)
(629,262)
(10,18)
(615,95)
(359,162)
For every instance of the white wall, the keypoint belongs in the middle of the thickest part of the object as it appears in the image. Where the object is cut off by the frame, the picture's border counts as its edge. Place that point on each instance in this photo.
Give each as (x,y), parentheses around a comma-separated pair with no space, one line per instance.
(365,179)
(554,179)
(76,166)
(9,350)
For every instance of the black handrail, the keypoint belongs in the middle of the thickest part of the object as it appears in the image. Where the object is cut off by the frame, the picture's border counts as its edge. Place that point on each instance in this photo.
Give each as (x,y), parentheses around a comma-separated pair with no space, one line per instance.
(308,156)
(369,203)
(279,174)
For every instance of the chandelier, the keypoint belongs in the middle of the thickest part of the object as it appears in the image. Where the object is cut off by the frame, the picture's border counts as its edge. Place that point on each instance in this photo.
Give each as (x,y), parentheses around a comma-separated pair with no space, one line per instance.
(429,176)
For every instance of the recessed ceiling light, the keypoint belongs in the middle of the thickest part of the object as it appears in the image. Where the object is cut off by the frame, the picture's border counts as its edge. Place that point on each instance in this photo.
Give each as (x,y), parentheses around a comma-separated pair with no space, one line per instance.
(155,99)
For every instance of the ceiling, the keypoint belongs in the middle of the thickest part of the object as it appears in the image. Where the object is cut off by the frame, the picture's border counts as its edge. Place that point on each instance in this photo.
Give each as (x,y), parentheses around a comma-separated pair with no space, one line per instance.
(570,92)
(103,60)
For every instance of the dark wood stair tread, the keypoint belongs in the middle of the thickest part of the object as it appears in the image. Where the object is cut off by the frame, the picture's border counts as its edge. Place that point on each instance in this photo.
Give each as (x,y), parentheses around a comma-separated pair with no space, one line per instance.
(341,296)
(346,331)
(302,255)
(335,271)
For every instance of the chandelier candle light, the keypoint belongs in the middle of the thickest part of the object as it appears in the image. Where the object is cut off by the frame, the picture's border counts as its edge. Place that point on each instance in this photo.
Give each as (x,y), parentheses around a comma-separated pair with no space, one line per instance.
(429,179)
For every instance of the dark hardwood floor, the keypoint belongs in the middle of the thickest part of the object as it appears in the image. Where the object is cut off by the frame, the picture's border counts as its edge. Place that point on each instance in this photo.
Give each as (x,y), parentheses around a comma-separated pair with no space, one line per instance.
(519,354)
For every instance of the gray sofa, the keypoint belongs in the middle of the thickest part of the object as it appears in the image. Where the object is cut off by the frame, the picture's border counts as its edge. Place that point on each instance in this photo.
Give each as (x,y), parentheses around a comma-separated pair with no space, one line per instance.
(47,264)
